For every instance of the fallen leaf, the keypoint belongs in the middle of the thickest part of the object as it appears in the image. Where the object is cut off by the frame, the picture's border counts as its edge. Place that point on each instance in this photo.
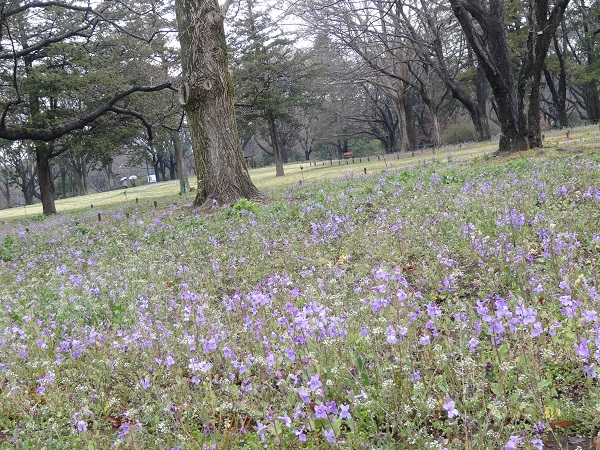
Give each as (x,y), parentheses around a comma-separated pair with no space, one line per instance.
(115,421)
(596,443)
(560,423)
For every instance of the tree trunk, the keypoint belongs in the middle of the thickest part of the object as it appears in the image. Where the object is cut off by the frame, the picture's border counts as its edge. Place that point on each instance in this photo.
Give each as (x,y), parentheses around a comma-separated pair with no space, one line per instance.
(207,97)
(275,146)
(6,192)
(405,144)
(481,121)
(172,168)
(592,101)
(45,178)
(163,169)
(80,183)
(180,162)
(517,98)
(27,193)
(156,167)
(63,181)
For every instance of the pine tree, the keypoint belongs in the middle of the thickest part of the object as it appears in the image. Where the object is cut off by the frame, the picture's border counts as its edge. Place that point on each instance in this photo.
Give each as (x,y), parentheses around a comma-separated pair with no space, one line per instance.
(272,78)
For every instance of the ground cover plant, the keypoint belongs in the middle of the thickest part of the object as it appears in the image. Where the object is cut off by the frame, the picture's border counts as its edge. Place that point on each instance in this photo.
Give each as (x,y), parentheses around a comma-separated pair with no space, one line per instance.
(438,306)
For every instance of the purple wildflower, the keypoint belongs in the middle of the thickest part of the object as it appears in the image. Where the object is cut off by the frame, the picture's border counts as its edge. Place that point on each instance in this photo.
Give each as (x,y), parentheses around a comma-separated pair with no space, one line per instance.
(260,429)
(329,435)
(314,383)
(320,412)
(300,434)
(391,335)
(473,343)
(303,393)
(331,407)
(539,445)
(582,349)
(145,382)
(345,414)
(512,443)
(450,407)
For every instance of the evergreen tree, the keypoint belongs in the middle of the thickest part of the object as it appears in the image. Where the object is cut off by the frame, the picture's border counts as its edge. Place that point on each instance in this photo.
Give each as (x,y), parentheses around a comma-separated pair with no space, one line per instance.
(272,79)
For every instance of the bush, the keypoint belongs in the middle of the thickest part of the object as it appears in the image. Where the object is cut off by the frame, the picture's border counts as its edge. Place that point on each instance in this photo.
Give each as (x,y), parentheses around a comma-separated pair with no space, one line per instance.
(458,134)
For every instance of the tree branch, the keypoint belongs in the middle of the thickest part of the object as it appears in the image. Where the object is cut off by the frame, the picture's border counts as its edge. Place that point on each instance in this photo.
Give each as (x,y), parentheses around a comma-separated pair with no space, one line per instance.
(50,134)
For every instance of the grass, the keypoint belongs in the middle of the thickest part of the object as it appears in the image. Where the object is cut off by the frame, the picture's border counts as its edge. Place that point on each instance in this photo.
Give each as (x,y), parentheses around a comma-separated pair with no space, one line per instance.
(264,178)
(583,138)
(431,305)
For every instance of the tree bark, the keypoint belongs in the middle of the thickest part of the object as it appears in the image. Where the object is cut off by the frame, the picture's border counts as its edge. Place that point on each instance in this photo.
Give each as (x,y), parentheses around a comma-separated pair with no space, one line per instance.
(43,155)
(592,101)
(180,162)
(207,97)
(6,191)
(275,146)
(80,182)
(481,121)
(63,181)
(517,97)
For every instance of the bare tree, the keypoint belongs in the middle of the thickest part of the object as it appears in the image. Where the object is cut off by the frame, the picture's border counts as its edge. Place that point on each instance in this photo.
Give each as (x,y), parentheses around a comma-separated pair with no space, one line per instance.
(517,95)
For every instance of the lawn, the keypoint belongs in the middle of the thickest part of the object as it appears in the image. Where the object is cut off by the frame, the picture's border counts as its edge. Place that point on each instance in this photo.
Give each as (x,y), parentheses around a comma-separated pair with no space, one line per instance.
(433,304)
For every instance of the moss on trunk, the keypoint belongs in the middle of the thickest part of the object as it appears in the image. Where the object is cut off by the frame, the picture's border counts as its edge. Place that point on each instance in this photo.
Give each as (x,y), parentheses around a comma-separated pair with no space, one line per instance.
(207,98)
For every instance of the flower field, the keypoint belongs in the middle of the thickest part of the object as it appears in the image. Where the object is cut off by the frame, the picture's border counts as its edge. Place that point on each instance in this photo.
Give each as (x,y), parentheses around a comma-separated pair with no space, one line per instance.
(440,306)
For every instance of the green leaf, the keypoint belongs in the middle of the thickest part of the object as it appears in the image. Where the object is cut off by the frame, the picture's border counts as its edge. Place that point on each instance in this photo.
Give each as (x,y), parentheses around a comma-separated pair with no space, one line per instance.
(543,384)
(363,371)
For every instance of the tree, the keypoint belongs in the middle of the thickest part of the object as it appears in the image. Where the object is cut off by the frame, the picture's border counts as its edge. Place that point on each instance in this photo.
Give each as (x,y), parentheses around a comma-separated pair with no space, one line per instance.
(585,50)
(435,42)
(62,68)
(517,93)
(17,167)
(206,94)
(272,79)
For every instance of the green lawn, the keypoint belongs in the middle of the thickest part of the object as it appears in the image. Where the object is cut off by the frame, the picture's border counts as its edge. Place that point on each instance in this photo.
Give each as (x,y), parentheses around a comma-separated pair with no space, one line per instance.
(264,178)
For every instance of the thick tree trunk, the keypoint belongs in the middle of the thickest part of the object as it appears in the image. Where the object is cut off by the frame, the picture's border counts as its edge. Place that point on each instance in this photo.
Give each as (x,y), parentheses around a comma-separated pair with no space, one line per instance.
(180,162)
(6,192)
(207,98)
(275,146)
(435,124)
(45,178)
(27,192)
(517,97)
(80,183)
(476,108)
(481,121)
(307,153)
(172,168)
(163,169)
(592,101)
(403,123)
